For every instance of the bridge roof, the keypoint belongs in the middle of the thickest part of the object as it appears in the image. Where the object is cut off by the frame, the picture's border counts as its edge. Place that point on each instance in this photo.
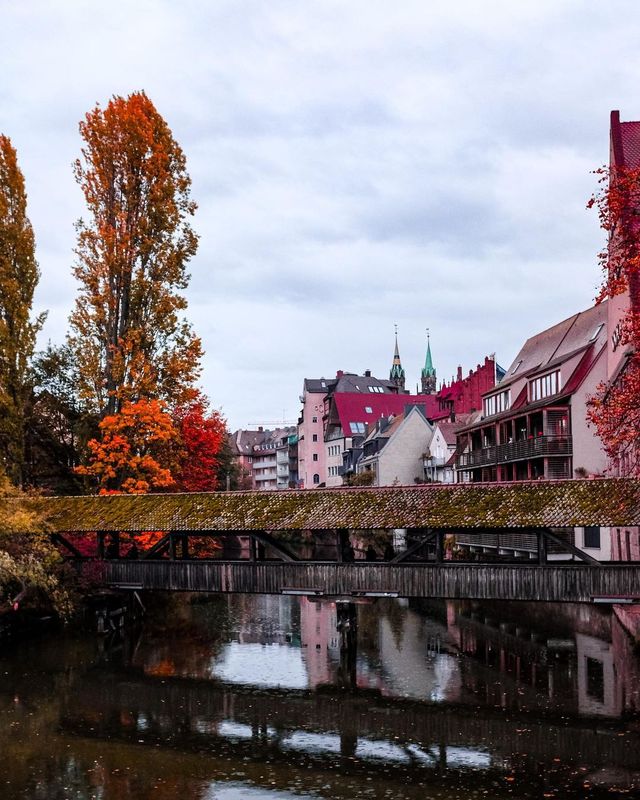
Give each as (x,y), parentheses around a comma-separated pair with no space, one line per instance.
(607,502)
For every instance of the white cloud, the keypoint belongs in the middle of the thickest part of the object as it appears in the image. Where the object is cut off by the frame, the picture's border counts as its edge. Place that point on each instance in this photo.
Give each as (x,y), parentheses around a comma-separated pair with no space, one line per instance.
(356,164)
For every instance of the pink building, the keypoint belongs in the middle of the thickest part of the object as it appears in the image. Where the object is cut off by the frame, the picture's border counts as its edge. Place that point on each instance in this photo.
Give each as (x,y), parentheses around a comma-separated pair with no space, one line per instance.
(315,450)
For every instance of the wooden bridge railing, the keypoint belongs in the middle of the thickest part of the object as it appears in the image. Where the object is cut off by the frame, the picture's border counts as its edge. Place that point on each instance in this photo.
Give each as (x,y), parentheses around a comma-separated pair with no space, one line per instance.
(551,582)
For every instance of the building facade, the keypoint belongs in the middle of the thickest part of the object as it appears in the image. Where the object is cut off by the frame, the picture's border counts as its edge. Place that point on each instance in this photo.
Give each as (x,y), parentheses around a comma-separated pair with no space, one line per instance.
(394,450)
(533,423)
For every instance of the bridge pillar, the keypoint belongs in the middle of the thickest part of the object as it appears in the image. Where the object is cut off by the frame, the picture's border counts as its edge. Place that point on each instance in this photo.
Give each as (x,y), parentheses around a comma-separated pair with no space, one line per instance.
(439,547)
(347,627)
(542,547)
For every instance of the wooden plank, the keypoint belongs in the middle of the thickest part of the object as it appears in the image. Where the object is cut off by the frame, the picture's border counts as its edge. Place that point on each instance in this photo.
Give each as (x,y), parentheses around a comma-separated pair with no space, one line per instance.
(550,583)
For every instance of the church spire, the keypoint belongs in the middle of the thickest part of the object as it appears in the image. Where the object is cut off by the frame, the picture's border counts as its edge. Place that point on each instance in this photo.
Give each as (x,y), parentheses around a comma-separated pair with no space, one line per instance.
(428,377)
(397,373)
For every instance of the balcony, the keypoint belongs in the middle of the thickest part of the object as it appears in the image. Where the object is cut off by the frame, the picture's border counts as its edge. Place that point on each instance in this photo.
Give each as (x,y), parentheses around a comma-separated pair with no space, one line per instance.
(539,447)
(431,462)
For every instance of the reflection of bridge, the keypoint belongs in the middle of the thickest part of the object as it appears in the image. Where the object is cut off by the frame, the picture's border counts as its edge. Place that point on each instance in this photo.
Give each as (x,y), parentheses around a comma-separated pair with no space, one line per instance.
(545,512)
(201,715)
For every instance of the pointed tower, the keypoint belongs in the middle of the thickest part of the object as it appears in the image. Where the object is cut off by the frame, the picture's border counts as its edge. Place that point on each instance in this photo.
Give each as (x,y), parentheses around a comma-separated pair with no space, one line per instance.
(397,373)
(428,378)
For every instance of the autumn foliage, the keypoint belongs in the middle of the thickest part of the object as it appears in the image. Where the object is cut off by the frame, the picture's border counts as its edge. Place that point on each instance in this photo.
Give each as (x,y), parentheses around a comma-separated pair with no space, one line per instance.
(128,336)
(201,433)
(18,278)
(126,458)
(145,448)
(615,409)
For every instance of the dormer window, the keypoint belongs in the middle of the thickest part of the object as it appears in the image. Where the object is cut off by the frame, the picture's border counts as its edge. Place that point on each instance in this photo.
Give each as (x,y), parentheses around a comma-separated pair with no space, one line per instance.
(544,386)
(496,403)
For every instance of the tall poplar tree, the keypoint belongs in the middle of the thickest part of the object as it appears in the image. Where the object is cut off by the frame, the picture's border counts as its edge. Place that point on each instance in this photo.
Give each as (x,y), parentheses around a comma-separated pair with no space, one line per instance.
(18,279)
(129,339)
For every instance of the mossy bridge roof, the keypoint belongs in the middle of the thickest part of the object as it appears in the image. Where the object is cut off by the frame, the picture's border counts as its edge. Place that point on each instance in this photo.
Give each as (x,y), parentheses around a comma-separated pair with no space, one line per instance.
(607,502)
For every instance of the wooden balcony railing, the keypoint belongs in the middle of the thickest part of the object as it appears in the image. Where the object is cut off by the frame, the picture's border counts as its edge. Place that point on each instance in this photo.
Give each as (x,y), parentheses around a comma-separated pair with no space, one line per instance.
(537,447)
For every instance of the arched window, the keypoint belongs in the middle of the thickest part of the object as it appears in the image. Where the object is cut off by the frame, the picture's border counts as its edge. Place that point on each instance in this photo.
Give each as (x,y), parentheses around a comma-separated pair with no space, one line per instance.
(316,478)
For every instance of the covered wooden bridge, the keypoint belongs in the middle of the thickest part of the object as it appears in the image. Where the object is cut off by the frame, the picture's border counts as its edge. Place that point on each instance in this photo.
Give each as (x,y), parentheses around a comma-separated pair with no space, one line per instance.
(302,542)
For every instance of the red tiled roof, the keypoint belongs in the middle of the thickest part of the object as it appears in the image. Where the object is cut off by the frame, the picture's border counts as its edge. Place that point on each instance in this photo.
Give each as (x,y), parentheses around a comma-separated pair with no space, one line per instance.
(630,134)
(352,407)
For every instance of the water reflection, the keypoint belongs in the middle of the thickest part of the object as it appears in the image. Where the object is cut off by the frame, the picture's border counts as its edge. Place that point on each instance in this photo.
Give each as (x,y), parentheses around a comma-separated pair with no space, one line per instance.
(290,697)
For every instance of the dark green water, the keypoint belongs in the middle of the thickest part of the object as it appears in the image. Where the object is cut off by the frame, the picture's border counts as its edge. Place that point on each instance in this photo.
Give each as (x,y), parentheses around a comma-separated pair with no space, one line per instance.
(254,697)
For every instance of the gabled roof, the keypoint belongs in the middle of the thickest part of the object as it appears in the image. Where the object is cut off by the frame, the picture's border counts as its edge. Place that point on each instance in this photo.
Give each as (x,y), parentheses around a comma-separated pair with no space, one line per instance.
(348,382)
(611,502)
(368,408)
(625,142)
(243,441)
(448,430)
(557,344)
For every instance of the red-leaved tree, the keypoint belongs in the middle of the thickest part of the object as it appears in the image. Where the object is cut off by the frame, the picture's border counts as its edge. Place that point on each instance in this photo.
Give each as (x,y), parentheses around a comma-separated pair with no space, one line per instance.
(201,433)
(615,409)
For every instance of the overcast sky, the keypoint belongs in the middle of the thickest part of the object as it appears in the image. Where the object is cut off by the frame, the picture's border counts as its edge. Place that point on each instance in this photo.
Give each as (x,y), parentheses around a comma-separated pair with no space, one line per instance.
(356,164)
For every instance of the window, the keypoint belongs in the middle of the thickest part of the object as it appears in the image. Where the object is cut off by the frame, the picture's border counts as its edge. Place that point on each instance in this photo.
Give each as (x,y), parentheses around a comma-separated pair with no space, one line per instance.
(376,389)
(544,386)
(368,410)
(314,419)
(596,333)
(497,403)
(517,367)
(592,536)
(316,478)
(315,456)
(315,437)
(357,427)
(595,678)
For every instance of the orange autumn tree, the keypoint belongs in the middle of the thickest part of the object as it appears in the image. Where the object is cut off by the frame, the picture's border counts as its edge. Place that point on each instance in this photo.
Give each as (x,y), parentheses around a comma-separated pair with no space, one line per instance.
(128,457)
(127,333)
(137,358)
(615,409)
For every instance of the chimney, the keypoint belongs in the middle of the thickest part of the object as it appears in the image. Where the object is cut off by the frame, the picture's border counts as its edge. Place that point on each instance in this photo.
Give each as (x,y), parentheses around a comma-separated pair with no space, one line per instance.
(459,372)
(339,373)
(367,373)
(260,429)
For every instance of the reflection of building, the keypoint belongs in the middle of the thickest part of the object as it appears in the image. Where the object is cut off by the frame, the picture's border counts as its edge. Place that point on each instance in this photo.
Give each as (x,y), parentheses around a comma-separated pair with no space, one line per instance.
(597,680)
(413,661)
(319,638)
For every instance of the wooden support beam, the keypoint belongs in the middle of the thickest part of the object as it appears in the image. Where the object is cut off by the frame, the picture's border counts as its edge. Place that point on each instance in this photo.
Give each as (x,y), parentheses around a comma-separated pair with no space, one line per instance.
(414,547)
(100,546)
(281,549)
(172,546)
(159,547)
(571,548)
(58,538)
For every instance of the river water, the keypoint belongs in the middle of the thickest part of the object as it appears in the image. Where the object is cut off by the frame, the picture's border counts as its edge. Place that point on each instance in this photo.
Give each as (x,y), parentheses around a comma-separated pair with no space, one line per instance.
(264,697)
